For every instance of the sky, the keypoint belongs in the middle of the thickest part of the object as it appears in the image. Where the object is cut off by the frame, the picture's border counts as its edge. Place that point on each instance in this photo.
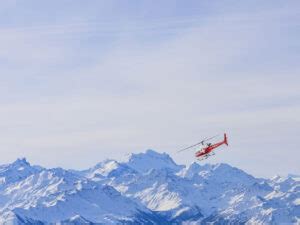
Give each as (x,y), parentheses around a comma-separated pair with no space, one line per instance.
(83,81)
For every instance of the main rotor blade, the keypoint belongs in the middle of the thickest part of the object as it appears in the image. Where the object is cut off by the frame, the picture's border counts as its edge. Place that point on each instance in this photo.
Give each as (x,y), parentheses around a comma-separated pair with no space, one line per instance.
(201,142)
(207,139)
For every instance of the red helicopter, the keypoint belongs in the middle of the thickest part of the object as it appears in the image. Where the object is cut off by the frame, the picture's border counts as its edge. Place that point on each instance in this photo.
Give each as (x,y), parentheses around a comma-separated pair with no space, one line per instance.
(208,148)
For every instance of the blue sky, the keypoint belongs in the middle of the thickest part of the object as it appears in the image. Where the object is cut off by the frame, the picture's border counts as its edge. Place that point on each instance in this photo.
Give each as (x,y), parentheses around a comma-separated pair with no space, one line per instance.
(88,80)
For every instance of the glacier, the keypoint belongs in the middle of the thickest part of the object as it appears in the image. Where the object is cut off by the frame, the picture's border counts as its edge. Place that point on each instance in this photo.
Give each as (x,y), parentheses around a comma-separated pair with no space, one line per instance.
(147,188)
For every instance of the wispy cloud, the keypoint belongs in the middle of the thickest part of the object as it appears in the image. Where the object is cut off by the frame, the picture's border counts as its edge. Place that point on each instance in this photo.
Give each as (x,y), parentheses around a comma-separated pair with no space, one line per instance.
(90,90)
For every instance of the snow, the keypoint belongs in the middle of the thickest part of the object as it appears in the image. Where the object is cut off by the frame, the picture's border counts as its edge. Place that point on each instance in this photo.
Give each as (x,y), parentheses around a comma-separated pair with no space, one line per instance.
(148,187)
(296,201)
(104,168)
(294,177)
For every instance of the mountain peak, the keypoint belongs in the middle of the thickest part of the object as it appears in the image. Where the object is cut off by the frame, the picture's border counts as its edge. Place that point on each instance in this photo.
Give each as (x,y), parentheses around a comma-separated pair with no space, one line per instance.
(21,162)
(151,153)
(17,170)
(151,159)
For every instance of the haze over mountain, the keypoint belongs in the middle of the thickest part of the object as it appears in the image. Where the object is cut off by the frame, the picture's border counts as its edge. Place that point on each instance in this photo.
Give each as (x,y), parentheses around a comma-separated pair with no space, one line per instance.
(148,188)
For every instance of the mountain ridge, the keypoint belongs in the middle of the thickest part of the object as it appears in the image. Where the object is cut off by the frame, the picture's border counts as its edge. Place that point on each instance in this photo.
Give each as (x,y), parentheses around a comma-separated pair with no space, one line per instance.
(148,188)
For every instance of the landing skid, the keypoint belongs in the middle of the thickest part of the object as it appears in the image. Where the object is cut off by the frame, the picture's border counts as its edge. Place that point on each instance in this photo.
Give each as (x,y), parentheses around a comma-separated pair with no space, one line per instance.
(206,156)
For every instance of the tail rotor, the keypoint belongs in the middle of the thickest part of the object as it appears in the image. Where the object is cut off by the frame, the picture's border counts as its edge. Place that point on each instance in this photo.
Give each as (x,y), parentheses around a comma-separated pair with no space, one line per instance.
(225,139)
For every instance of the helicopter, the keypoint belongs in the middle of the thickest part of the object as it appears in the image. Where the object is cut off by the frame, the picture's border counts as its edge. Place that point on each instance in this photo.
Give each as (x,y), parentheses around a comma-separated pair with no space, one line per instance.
(208,148)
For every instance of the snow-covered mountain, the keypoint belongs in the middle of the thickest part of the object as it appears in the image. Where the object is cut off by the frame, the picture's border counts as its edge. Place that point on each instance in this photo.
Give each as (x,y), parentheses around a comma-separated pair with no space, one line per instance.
(148,188)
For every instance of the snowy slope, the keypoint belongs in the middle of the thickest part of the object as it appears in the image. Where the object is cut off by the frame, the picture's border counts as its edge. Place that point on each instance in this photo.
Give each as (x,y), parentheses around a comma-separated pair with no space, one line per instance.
(54,195)
(148,188)
(208,193)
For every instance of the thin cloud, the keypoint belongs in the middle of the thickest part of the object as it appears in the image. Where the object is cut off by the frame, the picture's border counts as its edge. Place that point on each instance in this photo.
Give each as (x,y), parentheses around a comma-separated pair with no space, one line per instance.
(87,101)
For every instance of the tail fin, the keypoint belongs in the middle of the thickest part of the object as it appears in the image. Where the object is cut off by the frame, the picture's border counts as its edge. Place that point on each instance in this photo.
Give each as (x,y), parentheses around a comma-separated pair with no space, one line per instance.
(225,139)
